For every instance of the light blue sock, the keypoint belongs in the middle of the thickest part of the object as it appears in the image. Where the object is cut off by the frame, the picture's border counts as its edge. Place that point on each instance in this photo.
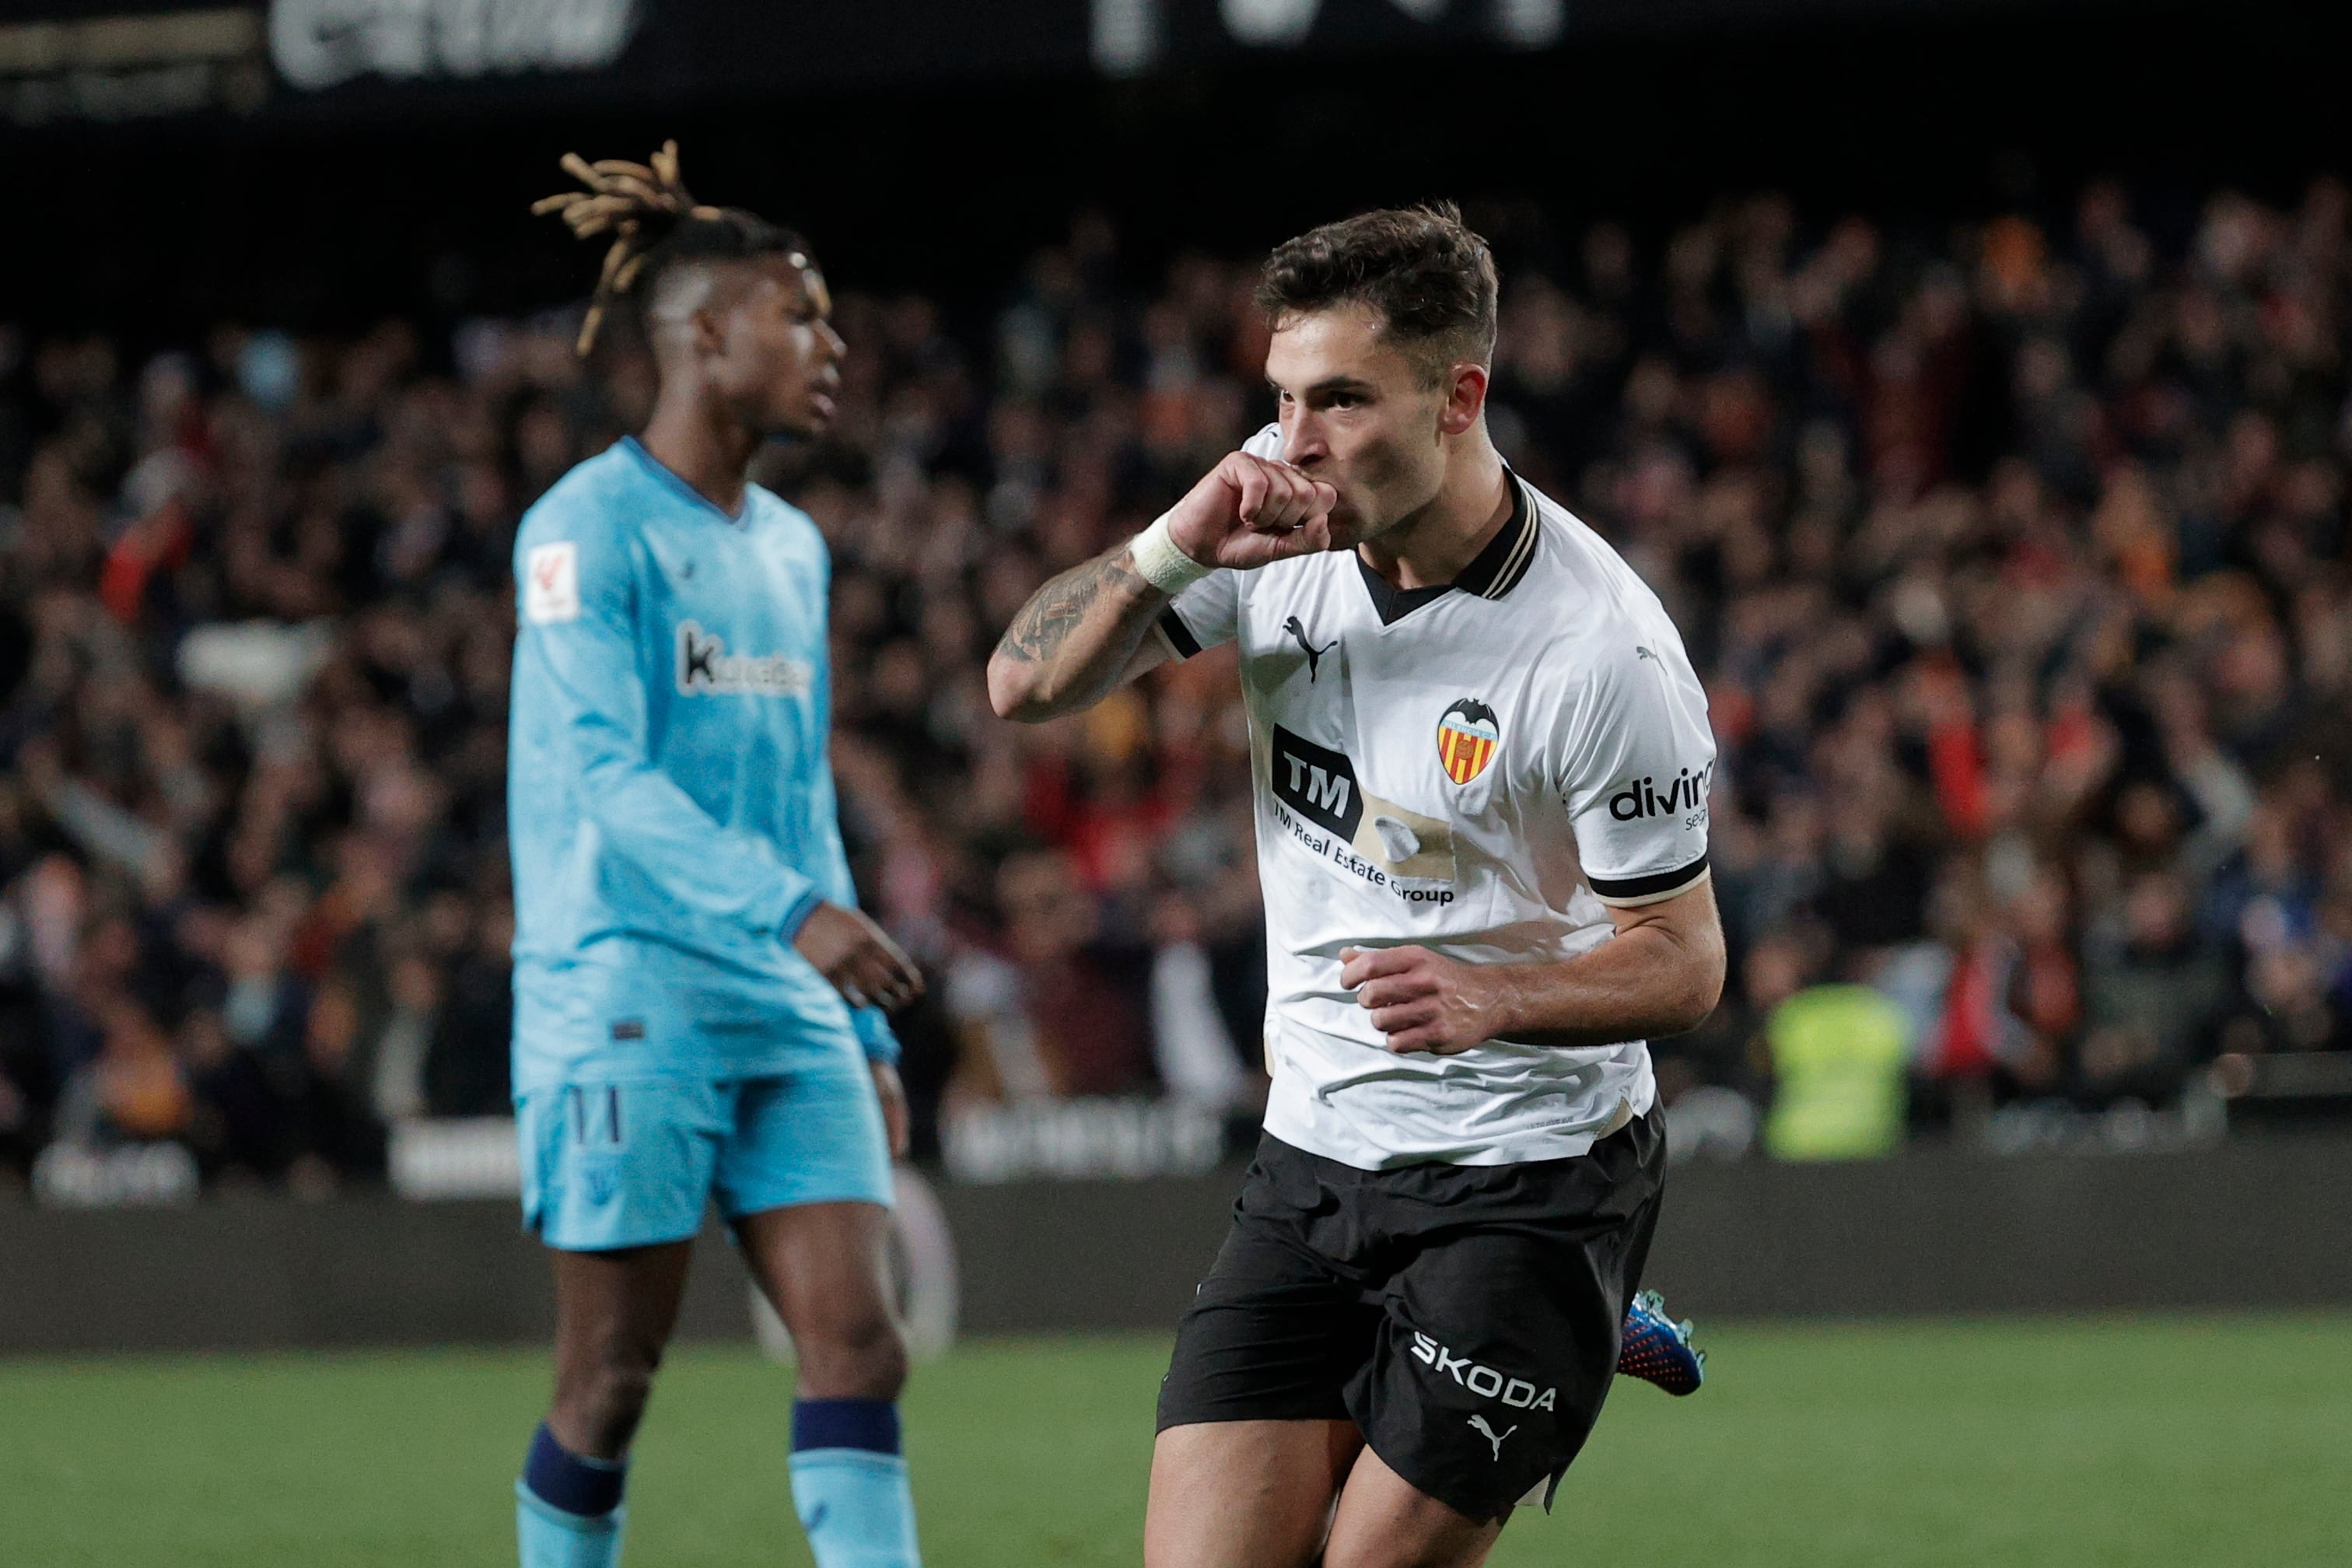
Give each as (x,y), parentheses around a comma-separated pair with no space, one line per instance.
(551,1538)
(568,1509)
(849,1484)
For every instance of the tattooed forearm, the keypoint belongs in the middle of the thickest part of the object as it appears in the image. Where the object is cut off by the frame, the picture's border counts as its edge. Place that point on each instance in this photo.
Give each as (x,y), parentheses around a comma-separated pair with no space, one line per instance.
(1054,611)
(1073,640)
(1059,607)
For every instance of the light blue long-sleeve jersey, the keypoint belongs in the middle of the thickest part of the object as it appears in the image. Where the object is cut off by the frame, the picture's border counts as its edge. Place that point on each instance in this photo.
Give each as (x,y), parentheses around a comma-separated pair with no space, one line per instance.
(670,807)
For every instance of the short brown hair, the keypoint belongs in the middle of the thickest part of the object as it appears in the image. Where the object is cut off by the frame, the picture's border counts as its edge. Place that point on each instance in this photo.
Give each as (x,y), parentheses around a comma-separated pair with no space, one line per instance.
(1428,277)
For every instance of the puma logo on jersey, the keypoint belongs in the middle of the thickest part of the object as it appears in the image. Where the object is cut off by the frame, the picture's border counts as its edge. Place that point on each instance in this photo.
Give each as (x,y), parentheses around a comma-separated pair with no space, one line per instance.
(705,667)
(1483,1380)
(1645,653)
(1314,655)
(1488,1433)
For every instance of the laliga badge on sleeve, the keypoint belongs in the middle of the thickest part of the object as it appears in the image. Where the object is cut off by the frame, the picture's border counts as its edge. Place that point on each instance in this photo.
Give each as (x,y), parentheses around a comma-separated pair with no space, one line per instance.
(1467,738)
(550,582)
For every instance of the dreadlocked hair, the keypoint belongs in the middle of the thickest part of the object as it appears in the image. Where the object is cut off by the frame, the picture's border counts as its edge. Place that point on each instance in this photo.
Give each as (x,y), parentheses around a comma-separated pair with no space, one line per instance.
(655,222)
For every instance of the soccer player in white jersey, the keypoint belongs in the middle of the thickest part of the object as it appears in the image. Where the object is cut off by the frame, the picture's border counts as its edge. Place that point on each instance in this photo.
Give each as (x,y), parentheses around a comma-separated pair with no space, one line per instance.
(1481,761)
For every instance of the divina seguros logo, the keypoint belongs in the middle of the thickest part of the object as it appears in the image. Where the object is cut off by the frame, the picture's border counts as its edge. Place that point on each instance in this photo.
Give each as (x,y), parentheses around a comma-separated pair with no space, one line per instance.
(1687,791)
(705,667)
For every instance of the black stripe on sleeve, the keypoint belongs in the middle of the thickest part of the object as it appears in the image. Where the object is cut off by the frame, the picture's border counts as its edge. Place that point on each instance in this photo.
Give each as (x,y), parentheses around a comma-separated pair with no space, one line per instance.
(1187,645)
(1650,886)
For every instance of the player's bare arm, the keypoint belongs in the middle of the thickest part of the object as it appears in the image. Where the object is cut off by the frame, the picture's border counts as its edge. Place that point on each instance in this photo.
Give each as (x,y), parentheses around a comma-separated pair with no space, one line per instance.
(1087,632)
(1080,638)
(1660,975)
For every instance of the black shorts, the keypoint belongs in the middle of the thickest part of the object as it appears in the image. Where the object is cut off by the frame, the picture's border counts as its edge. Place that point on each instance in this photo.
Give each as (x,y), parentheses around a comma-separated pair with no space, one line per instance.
(1465,1317)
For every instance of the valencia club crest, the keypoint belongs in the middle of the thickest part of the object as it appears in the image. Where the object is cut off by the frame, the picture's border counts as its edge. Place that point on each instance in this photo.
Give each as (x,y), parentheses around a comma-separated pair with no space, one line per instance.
(1467,738)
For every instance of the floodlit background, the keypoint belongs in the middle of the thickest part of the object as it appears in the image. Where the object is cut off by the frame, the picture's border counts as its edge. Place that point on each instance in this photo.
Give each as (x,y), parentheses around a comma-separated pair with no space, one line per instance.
(1969,379)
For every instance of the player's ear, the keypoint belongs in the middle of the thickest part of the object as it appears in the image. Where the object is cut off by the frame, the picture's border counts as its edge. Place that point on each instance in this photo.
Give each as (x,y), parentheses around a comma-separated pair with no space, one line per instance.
(707,328)
(1466,397)
(722,297)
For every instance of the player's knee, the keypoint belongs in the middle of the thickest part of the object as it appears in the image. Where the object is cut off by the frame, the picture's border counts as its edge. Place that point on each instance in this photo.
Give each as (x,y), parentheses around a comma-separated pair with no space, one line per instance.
(1383,1554)
(1453,1545)
(878,1358)
(865,1358)
(603,1407)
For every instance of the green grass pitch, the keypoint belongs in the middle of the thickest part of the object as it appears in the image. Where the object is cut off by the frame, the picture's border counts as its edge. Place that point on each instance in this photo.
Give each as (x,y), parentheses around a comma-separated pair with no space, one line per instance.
(2220,1442)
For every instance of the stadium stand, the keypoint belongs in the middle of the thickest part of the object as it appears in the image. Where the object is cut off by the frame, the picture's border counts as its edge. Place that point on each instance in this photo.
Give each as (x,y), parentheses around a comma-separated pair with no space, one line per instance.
(2012,553)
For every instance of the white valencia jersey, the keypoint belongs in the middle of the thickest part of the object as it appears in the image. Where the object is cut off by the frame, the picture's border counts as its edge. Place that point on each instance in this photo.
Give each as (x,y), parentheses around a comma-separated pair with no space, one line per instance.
(1480,768)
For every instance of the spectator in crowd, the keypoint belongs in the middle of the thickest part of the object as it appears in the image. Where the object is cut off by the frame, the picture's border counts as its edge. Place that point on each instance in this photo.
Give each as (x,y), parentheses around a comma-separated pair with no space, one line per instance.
(2157,990)
(2014,554)
(1054,1014)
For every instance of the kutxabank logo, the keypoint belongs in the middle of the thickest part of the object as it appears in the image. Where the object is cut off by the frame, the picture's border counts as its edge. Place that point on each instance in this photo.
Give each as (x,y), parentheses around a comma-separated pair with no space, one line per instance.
(705,667)
(1466,737)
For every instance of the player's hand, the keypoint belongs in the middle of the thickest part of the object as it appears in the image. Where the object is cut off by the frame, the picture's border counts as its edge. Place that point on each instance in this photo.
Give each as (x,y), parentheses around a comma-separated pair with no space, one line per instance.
(1247,511)
(1421,1000)
(893,1095)
(865,966)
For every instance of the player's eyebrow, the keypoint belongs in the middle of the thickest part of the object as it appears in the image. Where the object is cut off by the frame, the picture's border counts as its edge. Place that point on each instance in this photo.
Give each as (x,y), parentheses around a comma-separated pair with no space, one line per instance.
(1330,383)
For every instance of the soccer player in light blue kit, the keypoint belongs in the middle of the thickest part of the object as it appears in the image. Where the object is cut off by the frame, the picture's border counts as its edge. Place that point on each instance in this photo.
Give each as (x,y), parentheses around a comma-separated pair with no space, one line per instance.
(697,1002)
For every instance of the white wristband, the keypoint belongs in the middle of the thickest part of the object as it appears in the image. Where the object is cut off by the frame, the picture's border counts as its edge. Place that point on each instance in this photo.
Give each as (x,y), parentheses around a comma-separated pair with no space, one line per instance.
(1162,563)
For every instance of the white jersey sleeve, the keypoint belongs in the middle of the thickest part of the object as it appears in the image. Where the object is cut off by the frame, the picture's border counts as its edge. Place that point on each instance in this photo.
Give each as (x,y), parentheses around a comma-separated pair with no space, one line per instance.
(1638,759)
(1204,616)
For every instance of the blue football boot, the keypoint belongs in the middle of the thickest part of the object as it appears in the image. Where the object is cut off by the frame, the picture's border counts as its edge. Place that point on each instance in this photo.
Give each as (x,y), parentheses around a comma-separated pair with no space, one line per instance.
(1658,1350)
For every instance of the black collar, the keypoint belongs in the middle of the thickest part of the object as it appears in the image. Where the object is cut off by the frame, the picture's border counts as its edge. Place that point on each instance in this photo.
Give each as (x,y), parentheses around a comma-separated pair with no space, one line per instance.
(1492,572)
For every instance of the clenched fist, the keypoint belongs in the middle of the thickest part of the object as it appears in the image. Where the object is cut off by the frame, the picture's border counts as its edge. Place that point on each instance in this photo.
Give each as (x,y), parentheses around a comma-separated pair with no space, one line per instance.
(1421,1000)
(865,966)
(1247,511)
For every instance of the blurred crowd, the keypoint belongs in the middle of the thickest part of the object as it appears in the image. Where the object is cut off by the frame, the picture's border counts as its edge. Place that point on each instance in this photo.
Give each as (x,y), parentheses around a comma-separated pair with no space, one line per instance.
(2011,553)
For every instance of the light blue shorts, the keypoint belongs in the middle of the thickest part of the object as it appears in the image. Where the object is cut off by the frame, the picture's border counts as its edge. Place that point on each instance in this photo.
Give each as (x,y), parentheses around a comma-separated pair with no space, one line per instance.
(631,1163)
